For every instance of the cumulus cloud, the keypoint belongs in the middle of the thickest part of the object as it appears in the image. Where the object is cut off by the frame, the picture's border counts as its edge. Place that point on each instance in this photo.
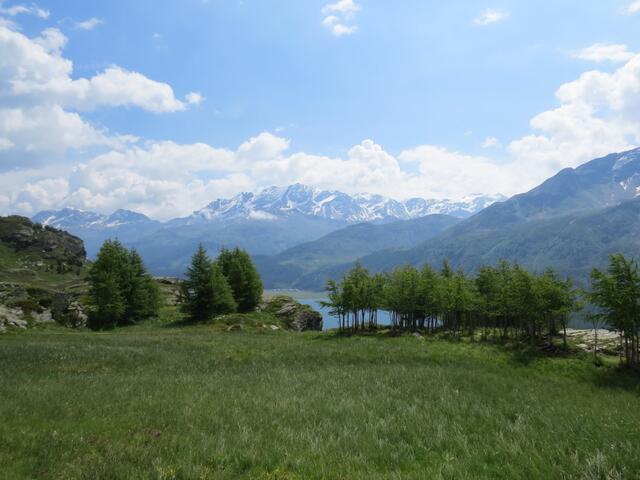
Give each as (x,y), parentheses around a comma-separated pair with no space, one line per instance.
(89,24)
(165,179)
(41,102)
(338,17)
(605,52)
(490,16)
(599,113)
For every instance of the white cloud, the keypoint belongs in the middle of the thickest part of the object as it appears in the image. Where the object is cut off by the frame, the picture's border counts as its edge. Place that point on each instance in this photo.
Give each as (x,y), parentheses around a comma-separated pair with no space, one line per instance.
(166,179)
(633,8)
(490,16)
(599,113)
(90,23)
(34,70)
(343,7)
(23,9)
(605,52)
(40,100)
(338,17)
(194,98)
(491,142)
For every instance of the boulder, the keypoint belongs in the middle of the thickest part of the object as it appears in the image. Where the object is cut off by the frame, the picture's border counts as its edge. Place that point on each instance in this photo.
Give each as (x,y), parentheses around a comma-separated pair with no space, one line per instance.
(293,314)
(12,317)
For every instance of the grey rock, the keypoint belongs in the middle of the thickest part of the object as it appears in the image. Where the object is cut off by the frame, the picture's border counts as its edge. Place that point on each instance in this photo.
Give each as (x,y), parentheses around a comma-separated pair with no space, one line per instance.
(44,317)
(306,319)
(12,317)
(75,316)
(288,309)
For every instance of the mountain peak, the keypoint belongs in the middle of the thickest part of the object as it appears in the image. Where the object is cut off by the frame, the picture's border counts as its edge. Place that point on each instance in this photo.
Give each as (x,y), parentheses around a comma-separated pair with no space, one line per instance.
(299,199)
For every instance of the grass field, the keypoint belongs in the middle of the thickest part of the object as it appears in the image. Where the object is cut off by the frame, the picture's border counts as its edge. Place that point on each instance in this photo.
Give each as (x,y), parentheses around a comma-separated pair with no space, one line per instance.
(158,402)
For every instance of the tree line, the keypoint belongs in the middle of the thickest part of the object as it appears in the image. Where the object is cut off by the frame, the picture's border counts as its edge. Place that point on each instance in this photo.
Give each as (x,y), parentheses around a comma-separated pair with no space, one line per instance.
(121,292)
(503,301)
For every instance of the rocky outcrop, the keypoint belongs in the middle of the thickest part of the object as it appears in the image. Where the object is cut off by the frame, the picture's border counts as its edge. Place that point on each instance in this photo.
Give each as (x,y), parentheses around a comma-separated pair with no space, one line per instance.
(170,288)
(22,235)
(293,314)
(42,275)
(40,305)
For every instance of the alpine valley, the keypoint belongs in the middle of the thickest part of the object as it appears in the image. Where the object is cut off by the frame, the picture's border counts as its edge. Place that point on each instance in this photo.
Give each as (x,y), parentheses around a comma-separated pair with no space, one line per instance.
(301,236)
(265,223)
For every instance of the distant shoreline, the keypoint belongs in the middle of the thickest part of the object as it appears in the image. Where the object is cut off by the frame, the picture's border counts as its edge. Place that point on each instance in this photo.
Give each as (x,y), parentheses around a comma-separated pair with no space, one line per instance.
(294,293)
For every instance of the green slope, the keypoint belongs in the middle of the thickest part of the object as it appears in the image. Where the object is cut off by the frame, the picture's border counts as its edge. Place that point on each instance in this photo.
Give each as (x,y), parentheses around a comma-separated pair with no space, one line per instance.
(295,267)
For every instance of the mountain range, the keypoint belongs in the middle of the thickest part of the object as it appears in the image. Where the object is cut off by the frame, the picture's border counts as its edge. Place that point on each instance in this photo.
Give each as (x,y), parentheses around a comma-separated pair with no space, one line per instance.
(265,223)
(571,222)
(301,236)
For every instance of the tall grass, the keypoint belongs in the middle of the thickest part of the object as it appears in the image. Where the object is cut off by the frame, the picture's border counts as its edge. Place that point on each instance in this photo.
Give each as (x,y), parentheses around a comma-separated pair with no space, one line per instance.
(197,402)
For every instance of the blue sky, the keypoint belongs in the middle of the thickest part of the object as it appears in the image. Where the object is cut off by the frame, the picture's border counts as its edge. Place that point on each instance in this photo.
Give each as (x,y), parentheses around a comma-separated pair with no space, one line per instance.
(411,91)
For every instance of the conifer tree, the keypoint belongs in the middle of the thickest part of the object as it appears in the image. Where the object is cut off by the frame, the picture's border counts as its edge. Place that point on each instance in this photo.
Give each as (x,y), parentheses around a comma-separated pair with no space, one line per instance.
(120,290)
(105,293)
(243,278)
(223,301)
(616,293)
(205,292)
(142,293)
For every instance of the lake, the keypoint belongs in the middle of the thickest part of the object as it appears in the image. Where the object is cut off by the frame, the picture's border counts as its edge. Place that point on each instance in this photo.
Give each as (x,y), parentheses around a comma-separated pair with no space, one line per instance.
(330,321)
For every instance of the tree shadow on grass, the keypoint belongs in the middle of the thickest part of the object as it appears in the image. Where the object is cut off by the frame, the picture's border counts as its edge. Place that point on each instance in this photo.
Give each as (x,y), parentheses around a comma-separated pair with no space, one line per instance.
(617,378)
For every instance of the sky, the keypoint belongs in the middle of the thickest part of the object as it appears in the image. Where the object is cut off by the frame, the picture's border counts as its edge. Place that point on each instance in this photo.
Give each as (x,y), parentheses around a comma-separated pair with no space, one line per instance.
(161,106)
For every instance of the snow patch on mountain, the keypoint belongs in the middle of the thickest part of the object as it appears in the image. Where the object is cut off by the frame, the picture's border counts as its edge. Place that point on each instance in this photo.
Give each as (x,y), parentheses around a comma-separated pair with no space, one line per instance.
(74,219)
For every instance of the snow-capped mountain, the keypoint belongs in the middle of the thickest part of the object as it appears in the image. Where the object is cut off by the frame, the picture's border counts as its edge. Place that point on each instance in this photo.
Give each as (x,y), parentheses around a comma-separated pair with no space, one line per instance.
(265,223)
(71,218)
(277,202)
(95,228)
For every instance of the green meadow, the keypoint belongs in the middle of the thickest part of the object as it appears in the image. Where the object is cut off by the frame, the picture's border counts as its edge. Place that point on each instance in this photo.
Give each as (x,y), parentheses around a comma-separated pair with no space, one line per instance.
(166,401)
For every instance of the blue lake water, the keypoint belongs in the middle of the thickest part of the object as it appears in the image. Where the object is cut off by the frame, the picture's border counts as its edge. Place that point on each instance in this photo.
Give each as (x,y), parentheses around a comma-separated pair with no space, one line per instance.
(329,321)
